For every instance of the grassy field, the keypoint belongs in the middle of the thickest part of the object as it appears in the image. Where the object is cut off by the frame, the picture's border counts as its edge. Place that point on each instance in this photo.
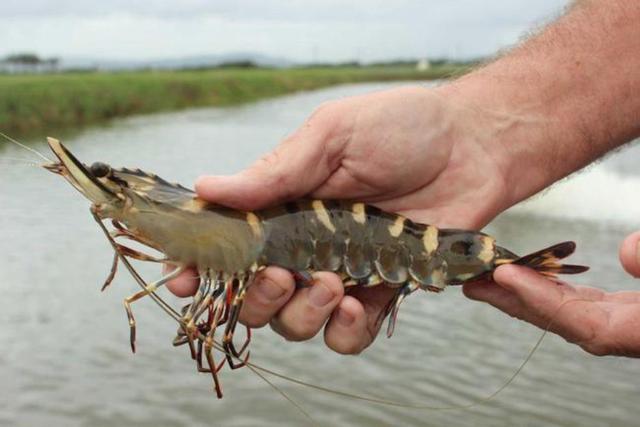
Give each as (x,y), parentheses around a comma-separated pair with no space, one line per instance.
(35,103)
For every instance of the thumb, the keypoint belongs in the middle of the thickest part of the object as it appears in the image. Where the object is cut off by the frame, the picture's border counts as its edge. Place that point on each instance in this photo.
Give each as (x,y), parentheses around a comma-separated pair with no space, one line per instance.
(545,302)
(539,293)
(554,306)
(296,167)
(630,254)
(516,290)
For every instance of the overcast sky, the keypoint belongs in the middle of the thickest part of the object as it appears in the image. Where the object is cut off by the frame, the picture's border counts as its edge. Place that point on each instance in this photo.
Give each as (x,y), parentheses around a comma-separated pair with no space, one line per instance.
(301,30)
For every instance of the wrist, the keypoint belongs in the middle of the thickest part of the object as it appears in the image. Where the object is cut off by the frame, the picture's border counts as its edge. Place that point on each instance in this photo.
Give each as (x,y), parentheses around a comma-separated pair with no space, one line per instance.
(558,102)
(516,135)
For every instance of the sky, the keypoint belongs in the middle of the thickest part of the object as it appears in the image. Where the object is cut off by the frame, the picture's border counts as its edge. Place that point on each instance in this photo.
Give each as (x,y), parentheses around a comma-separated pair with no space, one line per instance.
(298,30)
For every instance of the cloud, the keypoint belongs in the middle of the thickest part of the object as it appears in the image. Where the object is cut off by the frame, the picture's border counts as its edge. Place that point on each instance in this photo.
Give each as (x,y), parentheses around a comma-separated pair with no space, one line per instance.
(302,30)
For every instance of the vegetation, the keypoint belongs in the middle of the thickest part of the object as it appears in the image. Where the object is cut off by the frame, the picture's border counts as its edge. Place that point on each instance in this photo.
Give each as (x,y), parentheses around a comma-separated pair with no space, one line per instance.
(34,103)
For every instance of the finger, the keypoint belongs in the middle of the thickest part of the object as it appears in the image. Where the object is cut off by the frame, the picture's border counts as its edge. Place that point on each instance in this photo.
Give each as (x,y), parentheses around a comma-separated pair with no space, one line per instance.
(309,308)
(268,293)
(552,305)
(536,291)
(375,301)
(346,332)
(185,284)
(630,254)
(295,168)
(355,324)
(532,297)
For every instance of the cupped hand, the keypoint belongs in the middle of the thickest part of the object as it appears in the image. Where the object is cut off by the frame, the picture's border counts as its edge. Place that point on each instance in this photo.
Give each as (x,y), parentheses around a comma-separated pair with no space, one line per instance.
(601,323)
(409,150)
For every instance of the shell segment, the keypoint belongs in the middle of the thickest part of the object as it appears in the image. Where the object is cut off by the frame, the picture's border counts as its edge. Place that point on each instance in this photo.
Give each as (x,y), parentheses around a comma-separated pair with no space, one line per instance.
(468,255)
(369,246)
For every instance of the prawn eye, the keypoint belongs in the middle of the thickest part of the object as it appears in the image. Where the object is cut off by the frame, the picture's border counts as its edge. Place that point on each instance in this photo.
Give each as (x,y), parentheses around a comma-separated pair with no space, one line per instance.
(99,169)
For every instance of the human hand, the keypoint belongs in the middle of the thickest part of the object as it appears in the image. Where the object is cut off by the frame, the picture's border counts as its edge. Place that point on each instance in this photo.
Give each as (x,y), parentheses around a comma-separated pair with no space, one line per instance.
(601,323)
(408,150)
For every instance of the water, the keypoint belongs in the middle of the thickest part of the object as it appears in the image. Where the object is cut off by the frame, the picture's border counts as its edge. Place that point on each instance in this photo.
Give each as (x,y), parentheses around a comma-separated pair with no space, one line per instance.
(65,358)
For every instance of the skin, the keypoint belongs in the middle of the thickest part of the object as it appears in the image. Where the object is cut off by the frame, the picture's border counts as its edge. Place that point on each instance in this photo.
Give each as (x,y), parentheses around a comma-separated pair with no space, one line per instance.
(457,156)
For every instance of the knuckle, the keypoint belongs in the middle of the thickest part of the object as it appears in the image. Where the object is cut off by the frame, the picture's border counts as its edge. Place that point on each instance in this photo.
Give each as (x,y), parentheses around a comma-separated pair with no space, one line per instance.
(257,313)
(331,281)
(594,343)
(277,275)
(324,117)
(348,343)
(470,292)
(599,345)
(269,160)
(346,347)
(595,349)
(321,110)
(295,330)
(273,170)
(302,332)
(254,321)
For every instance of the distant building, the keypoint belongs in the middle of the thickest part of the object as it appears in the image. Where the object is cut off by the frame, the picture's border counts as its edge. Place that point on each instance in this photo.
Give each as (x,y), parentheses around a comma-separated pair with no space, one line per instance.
(423,64)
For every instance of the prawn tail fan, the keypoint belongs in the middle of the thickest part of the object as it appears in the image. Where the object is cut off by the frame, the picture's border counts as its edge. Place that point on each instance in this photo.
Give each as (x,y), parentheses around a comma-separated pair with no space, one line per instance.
(547,261)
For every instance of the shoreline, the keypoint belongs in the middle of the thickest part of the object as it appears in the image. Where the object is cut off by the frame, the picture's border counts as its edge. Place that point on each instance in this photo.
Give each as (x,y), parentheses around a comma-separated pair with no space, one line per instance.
(30,104)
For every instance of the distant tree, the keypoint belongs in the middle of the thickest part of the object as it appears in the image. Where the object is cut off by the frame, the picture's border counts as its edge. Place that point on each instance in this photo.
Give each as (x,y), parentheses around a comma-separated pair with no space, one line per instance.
(24,58)
(238,64)
(25,62)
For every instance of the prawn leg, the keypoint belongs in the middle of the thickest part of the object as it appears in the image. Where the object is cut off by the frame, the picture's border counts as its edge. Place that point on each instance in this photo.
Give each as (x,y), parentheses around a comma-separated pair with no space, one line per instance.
(112,272)
(140,256)
(131,253)
(215,317)
(234,314)
(394,305)
(140,294)
(190,317)
(204,299)
(122,232)
(181,337)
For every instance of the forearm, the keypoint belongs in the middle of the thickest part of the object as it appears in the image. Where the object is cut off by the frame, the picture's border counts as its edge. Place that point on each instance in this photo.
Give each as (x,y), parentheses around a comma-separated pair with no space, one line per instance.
(560,100)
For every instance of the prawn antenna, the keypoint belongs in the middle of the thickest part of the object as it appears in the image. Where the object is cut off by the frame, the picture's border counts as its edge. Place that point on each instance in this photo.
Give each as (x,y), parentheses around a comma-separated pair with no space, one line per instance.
(472,404)
(18,159)
(256,370)
(36,152)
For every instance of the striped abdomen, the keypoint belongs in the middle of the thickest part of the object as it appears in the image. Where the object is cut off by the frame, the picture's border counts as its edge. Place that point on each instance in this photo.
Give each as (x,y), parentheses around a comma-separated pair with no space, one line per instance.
(370,246)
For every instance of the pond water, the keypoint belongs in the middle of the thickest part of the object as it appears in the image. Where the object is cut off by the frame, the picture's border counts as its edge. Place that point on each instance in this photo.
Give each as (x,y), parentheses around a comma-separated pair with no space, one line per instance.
(65,358)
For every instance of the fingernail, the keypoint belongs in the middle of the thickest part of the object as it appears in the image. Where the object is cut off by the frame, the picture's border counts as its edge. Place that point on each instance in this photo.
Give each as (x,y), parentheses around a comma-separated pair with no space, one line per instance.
(269,289)
(319,295)
(344,318)
(638,252)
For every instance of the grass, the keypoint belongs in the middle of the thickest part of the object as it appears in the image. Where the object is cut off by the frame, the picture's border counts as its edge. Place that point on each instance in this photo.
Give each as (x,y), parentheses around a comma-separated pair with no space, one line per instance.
(34,103)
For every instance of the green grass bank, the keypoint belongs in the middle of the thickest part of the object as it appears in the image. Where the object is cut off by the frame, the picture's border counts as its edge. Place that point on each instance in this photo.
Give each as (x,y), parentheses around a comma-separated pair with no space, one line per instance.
(31,104)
